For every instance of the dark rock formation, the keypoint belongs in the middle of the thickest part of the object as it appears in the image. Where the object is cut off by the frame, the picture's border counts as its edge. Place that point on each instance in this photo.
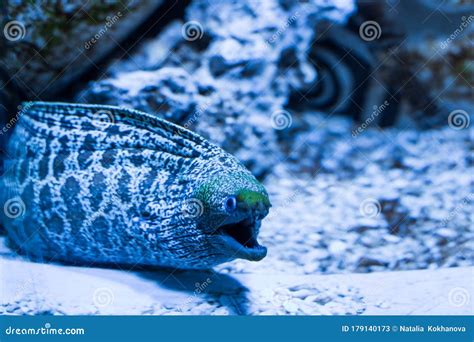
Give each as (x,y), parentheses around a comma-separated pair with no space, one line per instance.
(228,76)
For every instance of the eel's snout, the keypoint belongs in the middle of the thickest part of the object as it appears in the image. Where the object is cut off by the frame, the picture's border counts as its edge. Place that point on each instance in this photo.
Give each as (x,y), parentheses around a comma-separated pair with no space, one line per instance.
(259,210)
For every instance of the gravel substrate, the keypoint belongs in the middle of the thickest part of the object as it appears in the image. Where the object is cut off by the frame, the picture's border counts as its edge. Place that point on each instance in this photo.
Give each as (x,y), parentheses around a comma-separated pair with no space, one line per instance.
(397,199)
(50,289)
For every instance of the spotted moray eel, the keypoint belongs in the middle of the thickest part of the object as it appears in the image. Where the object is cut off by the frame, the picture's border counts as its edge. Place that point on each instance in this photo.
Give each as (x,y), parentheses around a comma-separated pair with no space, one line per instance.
(91,184)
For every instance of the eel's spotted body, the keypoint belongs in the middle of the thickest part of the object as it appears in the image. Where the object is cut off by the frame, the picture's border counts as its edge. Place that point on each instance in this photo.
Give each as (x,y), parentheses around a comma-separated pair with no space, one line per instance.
(102,184)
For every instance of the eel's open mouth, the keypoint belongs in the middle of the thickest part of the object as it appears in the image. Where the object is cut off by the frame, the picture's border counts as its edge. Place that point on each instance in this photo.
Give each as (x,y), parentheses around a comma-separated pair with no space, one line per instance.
(241,238)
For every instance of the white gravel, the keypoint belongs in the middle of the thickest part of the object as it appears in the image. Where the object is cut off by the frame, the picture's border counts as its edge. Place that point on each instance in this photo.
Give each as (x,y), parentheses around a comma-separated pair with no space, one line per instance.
(386,200)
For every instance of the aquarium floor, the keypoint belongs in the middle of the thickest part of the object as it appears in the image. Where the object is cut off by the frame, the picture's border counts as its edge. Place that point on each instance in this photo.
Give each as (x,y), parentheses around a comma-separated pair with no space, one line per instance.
(35,288)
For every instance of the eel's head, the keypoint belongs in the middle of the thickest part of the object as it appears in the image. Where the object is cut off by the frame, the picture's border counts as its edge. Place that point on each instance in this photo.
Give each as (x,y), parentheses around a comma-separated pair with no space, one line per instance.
(234,205)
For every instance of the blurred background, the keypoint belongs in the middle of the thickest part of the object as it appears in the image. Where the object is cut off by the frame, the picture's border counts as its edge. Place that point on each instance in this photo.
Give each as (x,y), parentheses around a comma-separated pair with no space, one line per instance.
(356,115)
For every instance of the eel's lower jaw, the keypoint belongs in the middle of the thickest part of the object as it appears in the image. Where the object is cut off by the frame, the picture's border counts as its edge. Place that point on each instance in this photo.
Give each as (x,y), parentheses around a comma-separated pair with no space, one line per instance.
(240,240)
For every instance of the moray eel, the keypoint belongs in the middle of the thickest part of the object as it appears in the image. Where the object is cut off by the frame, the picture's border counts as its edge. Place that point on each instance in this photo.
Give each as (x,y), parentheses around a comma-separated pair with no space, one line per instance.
(88,184)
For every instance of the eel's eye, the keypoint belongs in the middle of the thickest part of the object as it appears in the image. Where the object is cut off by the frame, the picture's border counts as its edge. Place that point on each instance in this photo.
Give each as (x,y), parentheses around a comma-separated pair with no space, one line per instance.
(230,204)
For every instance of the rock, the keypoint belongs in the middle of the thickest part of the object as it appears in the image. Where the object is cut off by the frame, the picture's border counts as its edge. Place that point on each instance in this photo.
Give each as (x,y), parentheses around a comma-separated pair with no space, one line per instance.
(337,247)
(267,313)
(311,268)
(301,294)
(221,312)
(322,310)
(316,254)
(71,38)
(446,233)
(320,299)
(382,305)
(232,66)
(169,92)
(371,261)
(291,307)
